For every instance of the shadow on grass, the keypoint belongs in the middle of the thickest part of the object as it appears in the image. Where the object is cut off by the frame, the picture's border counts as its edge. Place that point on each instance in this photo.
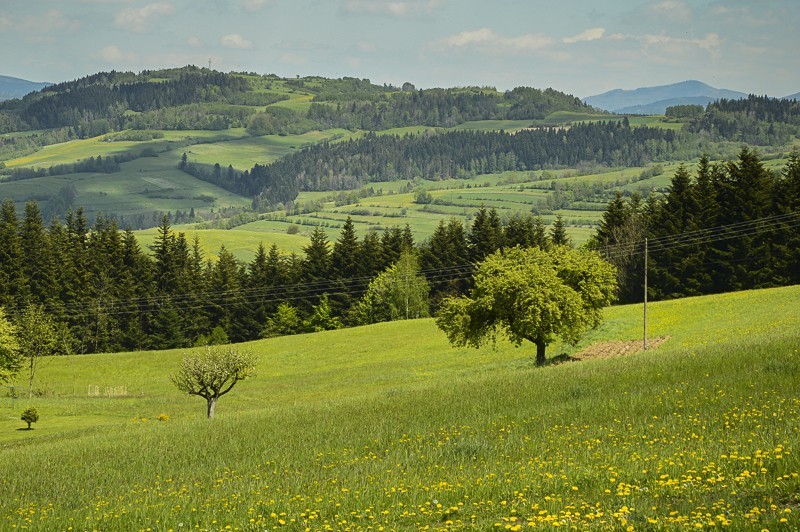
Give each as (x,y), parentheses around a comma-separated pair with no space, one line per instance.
(560,359)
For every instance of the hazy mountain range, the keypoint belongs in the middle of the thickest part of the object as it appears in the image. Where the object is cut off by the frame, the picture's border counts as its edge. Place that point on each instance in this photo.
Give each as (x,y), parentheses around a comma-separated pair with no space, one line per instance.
(655,100)
(17,88)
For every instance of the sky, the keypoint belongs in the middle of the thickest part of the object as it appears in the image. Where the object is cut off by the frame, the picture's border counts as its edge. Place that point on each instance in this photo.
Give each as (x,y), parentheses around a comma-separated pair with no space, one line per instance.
(582,47)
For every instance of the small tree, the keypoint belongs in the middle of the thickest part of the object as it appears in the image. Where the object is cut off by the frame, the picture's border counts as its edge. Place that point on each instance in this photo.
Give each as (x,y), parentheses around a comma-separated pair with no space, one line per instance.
(322,318)
(42,337)
(213,372)
(30,415)
(531,294)
(400,292)
(284,321)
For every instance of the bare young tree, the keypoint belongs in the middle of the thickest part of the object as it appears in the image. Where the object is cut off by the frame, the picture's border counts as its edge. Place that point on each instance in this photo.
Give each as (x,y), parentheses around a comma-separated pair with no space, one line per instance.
(213,372)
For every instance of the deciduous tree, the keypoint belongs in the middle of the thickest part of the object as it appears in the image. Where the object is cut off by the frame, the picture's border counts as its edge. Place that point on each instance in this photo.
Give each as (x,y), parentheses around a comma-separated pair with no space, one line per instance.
(531,294)
(42,337)
(10,360)
(213,372)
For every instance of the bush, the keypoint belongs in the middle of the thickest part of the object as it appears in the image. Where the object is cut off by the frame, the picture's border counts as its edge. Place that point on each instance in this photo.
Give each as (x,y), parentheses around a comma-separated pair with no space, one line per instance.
(30,415)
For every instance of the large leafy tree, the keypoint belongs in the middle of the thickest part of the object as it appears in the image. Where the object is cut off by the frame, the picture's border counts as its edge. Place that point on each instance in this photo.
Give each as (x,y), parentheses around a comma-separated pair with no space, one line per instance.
(531,294)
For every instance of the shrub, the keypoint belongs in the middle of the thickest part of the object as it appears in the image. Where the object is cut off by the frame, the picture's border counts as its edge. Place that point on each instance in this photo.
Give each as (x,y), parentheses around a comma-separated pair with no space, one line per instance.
(30,415)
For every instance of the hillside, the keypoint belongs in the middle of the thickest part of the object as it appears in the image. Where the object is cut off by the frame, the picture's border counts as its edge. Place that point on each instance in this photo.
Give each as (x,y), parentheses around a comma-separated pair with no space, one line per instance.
(146,122)
(17,88)
(387,426)
(618,100)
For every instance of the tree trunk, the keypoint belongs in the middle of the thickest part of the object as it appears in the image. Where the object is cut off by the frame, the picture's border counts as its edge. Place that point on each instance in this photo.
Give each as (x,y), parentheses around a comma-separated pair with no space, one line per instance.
(212,405)
(540,349)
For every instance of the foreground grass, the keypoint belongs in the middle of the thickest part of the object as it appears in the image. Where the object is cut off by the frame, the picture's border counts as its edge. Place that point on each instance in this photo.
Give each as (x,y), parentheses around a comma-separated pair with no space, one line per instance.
(386,426)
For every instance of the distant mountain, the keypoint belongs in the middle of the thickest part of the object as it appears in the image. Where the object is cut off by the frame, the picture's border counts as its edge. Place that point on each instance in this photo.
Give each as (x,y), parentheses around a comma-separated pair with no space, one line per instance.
(660,107)
(620,100)
(17,88)
(795,96)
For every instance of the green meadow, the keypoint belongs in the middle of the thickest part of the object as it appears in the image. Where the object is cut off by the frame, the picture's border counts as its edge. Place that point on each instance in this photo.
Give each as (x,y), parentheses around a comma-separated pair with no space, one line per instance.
(387,427)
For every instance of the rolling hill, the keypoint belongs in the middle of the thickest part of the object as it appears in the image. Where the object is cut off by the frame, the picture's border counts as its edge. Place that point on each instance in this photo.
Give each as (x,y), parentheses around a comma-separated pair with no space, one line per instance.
(387,426)
(658,98)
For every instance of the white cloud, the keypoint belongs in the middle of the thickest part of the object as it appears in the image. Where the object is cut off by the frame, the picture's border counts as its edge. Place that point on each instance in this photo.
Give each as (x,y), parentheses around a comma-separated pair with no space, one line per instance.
(141,19)
(234,40)
(672,9)
(487,39)
(255,5)
(5,22)
(113,54)
(392,8)
(592,34)
(194,41)
(675,46)
(366,47)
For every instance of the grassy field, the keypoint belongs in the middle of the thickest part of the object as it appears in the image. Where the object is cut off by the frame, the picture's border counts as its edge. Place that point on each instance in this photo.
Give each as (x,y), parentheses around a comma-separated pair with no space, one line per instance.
(388,427)
(242,241)
(244,153)
(142,186)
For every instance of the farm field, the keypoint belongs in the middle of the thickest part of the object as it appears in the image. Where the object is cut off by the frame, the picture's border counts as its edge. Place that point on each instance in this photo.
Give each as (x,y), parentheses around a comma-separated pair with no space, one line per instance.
(244,153)
(387,426)
(242,241)
(509,192)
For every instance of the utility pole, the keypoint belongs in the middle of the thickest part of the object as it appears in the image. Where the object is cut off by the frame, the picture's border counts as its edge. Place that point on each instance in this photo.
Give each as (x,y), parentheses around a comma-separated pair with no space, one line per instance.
(645,294)
(209,63)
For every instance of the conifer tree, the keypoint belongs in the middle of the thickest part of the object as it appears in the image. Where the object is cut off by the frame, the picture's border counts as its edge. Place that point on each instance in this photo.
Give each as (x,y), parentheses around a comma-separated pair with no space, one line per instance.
(485,235)
(12,279)
(675,268)
(370,254)
(37,257)
(558,233)
(745,195)
(317,262)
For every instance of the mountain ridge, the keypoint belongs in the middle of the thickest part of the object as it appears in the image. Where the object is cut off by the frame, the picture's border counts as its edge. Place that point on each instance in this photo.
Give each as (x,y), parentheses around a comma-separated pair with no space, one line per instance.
(622,100)
(11,87)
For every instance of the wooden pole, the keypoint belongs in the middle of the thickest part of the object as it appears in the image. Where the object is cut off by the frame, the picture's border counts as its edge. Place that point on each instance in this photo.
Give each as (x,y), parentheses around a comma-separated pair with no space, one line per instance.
(645,294)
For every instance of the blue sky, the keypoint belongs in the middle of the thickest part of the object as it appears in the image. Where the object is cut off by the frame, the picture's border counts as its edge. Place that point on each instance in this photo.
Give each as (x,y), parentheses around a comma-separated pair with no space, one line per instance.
(578,46)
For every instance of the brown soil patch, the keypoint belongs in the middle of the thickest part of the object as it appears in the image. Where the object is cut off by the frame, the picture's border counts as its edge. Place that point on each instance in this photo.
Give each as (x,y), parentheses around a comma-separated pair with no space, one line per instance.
(617,348)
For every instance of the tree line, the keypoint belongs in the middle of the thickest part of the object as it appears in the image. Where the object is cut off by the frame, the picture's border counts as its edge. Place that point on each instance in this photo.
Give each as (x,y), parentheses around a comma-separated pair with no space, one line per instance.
(109,95)
(376,158)
(441,108)
(105,293)
(731,226)
(757,120)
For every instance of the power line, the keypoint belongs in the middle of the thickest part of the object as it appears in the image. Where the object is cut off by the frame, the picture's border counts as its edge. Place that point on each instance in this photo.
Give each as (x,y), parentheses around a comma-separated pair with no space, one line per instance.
(310,291)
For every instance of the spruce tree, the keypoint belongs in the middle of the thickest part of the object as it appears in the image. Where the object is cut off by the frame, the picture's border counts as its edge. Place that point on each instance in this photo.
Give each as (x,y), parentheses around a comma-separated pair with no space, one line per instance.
(675,268)
(13,287)
(485,235)
(37,257)
(558,233)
